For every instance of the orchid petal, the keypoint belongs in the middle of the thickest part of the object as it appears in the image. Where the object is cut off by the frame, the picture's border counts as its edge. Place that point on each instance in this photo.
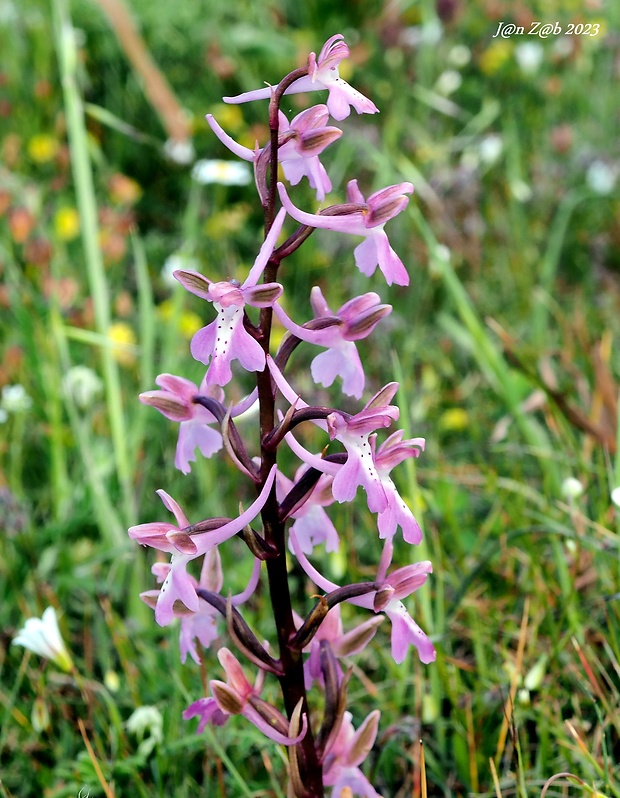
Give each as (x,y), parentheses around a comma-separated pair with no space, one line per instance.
(237,149)
(254,717)
(266,250)
(206,540)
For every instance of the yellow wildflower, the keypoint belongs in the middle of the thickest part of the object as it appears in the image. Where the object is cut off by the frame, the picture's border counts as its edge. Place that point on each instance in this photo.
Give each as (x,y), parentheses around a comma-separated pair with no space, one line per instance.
(124,343)
(43,148)
(67,224)
(189,323)
(165,309)
(495,56)
(454,420)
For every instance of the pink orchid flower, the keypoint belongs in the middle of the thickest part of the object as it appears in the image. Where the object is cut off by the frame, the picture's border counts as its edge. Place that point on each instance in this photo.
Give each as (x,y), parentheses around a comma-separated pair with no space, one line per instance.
(355,320)
(322,74)
(178,584)
(392,452)
(226,339)
(176,402)
(367,218)
(302,141)
(353,432)
(235,697)
(202,625)
(396,586)
(364,466)
(345,754)
(343,644)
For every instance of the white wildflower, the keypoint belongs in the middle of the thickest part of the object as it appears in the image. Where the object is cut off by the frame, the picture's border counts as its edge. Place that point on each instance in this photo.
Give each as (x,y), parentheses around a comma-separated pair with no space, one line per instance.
(226,173)
(529,56)
(42,636)
(448,82)
(459,55)
(490,148)
(572,488)
(601,177)
(147,724)
(15,399)
(82,385)
(180,151)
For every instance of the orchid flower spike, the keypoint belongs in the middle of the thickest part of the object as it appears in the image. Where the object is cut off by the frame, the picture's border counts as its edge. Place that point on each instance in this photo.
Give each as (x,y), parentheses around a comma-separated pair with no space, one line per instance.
(365,218)
(300,144)
(322,74)
(226,339)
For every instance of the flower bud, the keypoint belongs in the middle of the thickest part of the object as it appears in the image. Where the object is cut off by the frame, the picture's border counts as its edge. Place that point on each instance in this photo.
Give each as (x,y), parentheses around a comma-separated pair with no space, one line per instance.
(358,638)
(234,672)
(366,322)
(364,739)
(181,541)
(315,141)
(40,716)
(271,715)
(383,598)
(167,404)
(228,700)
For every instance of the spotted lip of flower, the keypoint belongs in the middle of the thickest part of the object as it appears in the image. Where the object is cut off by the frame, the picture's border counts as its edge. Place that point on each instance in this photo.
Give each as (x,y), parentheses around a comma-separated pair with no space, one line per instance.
(395,450)
(365,218)
(322,74)
(226,338)
(353,433)
(42,636)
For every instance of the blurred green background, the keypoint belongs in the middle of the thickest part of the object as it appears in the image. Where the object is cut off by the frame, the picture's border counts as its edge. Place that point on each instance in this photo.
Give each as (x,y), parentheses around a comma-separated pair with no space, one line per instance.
(505,345)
